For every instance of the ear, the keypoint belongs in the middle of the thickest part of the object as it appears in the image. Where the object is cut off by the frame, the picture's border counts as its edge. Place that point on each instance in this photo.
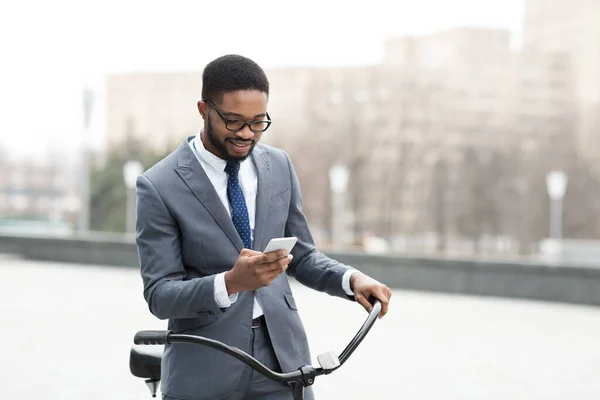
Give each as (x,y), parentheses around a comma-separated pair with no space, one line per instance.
(202,109)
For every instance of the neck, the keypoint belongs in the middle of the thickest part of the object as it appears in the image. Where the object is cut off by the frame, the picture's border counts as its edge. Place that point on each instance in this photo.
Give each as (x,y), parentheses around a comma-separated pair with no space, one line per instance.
(208,145)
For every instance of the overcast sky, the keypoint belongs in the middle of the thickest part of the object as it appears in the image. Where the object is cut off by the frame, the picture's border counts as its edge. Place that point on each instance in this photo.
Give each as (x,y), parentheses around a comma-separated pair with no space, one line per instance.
(52,49)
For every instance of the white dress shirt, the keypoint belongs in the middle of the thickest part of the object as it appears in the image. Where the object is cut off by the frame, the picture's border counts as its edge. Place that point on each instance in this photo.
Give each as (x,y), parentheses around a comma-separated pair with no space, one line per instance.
(248,178)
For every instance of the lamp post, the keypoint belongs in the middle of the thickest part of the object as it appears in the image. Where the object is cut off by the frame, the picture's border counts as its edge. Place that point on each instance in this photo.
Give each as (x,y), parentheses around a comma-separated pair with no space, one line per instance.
(84,177)
(556,184)
(338,180)
(131,170)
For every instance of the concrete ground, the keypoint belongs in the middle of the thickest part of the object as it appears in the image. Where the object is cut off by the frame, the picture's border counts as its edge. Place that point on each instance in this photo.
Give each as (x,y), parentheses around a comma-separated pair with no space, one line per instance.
(67,331)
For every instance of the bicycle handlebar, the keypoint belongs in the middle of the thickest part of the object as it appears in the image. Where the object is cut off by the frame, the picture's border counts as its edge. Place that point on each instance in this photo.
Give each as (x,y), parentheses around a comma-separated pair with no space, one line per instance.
(164,337)
(152,337)
(362,332)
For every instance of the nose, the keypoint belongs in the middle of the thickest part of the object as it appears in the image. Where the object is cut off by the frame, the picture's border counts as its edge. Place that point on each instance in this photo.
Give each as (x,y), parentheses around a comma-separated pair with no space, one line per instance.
(245,133)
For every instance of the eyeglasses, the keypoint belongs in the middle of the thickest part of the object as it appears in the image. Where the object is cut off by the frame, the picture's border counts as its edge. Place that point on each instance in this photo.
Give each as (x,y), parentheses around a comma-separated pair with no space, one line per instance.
(236,124)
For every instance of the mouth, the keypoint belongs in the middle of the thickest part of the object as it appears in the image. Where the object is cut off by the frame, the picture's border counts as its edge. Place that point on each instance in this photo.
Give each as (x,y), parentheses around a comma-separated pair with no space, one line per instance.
(240,145)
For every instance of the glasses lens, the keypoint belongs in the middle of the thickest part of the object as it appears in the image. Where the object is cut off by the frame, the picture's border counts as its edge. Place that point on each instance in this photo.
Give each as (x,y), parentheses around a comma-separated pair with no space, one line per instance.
(259,125)
(234,124)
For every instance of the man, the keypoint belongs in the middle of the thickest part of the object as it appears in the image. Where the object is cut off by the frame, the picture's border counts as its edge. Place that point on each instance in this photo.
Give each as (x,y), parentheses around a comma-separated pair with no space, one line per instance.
(205,212)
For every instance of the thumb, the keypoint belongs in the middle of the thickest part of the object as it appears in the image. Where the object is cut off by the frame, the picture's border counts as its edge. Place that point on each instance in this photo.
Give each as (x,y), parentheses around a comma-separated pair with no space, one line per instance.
(248,252)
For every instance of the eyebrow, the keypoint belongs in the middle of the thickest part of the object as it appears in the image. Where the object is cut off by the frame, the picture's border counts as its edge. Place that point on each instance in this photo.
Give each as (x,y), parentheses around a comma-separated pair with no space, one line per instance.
(241,116)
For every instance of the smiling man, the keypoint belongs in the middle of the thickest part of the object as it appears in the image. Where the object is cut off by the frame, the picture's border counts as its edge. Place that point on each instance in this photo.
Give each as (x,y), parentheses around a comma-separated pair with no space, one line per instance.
(244,142)
(204,214)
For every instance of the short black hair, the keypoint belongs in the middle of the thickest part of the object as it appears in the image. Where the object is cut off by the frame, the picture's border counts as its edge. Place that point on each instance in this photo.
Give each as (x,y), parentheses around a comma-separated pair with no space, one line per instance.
(232,72)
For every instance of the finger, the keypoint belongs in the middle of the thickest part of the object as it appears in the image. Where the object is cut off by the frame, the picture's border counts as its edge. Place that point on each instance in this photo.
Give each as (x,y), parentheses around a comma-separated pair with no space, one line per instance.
(280,268)
(274,274)
(383,295)
(274,256)
(276,265)
(249,252)
(362,300)
(266,258)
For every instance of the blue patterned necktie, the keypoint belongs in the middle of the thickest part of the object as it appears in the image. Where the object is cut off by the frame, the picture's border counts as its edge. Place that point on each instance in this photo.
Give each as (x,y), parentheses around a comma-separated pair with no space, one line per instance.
(239,211)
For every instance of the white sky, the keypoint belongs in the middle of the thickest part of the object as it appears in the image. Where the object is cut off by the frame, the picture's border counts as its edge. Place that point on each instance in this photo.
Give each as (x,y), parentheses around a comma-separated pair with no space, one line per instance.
(51,49)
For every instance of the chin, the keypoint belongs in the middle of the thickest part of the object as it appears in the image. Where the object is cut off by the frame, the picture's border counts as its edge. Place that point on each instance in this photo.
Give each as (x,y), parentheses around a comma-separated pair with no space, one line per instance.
(240,157)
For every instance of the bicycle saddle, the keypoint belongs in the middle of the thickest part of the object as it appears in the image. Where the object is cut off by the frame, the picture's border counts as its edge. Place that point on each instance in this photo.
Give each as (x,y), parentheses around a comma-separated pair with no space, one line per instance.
(144,361)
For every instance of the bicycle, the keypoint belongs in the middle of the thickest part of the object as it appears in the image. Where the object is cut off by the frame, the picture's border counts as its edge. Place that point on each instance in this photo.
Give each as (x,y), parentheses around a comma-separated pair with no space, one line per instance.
(146,364)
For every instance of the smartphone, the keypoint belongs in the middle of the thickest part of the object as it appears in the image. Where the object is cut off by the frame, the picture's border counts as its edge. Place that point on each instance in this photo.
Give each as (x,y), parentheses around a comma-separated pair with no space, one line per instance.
(285,243)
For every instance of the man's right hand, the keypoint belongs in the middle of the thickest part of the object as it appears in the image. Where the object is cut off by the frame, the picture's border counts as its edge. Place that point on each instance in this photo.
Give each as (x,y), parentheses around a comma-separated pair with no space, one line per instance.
(254,270)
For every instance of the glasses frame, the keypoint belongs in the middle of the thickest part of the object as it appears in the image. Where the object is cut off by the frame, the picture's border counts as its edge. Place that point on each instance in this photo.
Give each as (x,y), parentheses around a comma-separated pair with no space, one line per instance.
(236,120)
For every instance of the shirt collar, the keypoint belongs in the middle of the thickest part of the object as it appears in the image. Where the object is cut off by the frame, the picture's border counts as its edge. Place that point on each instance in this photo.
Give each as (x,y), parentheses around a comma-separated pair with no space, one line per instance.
(217,163)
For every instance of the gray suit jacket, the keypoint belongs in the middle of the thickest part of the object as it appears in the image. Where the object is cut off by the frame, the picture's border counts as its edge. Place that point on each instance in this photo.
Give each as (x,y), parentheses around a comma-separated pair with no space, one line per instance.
(185,236)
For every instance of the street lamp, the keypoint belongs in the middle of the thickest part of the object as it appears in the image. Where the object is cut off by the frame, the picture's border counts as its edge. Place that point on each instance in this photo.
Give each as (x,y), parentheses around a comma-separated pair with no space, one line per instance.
(338,180)
(556,184)
(84,171)
(131,170)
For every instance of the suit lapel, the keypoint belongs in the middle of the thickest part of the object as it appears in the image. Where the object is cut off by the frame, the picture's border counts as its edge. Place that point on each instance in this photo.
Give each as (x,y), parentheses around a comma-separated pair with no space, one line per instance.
(261,162)
(193,175)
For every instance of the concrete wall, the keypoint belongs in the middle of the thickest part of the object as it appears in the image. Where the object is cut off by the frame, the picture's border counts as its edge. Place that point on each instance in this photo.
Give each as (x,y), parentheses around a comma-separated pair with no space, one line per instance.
(524,280)
(95,248)
(570,284)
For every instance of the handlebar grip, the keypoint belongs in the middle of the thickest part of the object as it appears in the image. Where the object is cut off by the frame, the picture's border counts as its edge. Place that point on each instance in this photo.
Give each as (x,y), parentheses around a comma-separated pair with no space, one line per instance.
(376,305)
(372,300)
(151,337)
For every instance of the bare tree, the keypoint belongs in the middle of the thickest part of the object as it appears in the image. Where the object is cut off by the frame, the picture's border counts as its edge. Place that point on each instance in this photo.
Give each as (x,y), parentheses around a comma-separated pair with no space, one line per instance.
(482,176)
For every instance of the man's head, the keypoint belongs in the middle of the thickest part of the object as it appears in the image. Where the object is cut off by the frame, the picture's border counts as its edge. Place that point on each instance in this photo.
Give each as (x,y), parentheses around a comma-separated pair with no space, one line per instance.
(235,93)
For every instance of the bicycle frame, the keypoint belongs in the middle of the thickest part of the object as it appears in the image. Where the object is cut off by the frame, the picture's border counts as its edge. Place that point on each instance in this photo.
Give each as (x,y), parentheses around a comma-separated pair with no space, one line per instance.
(301,378)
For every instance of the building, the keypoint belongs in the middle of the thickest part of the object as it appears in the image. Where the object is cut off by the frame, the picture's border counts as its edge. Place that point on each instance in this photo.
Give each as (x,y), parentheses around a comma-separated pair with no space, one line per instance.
(465,89)
(157,108)
(573,30)
(38,195)
(402,127)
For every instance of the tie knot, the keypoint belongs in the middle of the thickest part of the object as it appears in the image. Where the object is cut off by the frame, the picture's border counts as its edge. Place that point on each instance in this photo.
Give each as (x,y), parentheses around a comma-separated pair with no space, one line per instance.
(232,168)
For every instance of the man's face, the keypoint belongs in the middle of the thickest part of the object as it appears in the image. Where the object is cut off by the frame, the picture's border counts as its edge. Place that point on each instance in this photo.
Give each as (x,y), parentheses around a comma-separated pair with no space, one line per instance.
(245,105)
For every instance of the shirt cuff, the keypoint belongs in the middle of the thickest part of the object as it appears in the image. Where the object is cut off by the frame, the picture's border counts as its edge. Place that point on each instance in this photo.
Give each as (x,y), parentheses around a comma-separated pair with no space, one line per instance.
(346,281)
(221,297)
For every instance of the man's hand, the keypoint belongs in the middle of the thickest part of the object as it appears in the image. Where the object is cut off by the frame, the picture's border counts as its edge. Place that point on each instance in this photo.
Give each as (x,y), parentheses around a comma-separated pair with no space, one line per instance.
(253,270)
(364,286)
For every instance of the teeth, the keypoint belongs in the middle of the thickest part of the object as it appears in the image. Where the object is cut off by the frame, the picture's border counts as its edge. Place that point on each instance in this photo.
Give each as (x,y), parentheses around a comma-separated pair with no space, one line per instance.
(240,144)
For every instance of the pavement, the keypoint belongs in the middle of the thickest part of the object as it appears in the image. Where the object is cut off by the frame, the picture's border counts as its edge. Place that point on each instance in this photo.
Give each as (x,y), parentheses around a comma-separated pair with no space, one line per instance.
(67,330)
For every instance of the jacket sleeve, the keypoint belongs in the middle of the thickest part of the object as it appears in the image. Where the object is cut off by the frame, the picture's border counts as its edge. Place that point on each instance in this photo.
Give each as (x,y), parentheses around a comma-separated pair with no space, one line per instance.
(309,266)
(166,290)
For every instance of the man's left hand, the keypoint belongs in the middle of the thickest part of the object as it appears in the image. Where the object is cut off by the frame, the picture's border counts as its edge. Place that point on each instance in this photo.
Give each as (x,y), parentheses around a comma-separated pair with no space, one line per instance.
(364,286)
